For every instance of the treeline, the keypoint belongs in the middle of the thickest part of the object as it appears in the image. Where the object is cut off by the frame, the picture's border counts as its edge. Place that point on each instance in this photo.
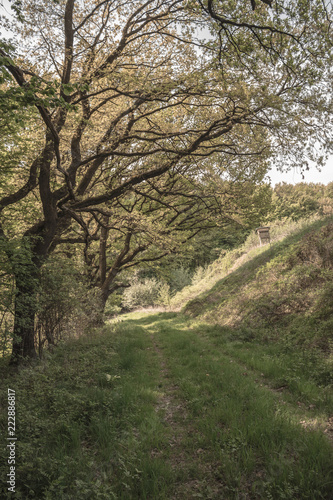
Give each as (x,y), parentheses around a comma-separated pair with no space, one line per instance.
(301,200)
(156,285)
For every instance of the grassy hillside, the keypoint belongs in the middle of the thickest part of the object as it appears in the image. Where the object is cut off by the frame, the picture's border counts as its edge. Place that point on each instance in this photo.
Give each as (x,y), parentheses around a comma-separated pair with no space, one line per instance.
(205,278)
(282,291)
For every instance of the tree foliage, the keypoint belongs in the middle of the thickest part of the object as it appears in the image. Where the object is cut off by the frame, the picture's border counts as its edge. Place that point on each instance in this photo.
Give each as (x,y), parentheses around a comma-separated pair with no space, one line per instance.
(139,124)
(301,200)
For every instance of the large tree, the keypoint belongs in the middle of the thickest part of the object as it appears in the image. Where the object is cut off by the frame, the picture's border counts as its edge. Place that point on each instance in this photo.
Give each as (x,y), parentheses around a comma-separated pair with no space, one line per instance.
(127,92)
(158,219)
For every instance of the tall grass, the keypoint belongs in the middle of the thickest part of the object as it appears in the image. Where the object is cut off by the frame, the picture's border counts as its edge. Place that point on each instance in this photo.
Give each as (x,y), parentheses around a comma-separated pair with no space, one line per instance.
(86,421)
(256,437)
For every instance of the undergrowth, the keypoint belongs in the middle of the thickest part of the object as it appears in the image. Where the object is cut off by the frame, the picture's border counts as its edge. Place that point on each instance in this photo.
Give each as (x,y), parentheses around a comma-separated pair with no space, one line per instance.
(80,416)
(160,406)
(281,292)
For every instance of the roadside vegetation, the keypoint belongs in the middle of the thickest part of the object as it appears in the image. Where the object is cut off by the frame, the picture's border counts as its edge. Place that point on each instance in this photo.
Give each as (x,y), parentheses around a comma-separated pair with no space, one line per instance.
(205,277)
(278,292)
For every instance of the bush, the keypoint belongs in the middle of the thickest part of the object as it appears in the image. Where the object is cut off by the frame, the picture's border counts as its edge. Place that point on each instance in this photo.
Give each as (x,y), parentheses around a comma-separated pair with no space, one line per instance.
(65,303)
(179,278)
(113,304)
(164,296)
(199,275)
(142,293)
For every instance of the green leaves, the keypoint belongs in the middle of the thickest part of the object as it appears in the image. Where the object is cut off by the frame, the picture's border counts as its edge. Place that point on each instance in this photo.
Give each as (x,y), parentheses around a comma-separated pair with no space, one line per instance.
(67,89)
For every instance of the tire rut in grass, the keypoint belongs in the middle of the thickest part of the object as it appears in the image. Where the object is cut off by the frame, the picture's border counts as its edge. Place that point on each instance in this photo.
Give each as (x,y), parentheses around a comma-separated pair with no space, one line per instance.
(174,413)
(169,405)
(233,463)
(308,418)
(194,474)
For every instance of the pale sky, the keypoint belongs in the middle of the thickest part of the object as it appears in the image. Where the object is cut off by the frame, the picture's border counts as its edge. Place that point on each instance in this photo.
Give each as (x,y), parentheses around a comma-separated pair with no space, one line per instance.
(313,175)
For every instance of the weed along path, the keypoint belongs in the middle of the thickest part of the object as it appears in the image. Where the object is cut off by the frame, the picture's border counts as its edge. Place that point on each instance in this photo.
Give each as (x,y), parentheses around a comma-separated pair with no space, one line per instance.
(238,420)
(157,407)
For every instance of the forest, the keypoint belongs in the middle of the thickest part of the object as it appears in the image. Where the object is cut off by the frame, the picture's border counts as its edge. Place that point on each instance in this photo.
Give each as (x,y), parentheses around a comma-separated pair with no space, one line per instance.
(156,348)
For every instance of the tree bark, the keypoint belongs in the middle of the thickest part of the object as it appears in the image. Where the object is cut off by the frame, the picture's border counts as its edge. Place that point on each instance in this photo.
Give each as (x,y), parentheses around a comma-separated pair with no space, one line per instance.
(26,265)
(26,277)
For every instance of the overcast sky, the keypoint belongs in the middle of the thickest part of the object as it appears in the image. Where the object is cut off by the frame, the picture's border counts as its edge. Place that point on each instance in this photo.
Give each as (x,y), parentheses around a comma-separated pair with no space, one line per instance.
(312,175)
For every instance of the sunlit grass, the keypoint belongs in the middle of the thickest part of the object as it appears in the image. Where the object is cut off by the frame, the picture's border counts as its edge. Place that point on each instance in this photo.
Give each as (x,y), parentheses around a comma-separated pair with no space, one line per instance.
(243,426)
(158,406)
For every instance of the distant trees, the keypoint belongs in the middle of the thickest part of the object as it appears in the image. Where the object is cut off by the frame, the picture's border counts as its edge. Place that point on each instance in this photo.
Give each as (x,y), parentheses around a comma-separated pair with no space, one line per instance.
(125,127)
(156,220)
(301,200)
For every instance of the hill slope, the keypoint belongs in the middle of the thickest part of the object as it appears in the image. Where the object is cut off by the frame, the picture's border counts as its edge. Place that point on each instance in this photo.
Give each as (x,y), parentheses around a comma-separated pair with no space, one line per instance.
(285,289)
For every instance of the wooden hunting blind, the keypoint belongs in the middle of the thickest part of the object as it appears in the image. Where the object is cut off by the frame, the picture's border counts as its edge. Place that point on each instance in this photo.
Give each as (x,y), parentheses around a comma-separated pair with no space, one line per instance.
(263,233)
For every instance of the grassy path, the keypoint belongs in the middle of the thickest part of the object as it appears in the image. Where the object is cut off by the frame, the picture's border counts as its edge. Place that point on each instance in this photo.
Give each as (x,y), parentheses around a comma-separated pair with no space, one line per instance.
(156,407)
(247,422)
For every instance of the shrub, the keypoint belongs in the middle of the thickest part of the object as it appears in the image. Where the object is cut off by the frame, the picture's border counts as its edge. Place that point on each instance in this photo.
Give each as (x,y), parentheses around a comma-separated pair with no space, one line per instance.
(164,295)
(179,278)
(142,293)
(113,304)
(199,275)
(65,304)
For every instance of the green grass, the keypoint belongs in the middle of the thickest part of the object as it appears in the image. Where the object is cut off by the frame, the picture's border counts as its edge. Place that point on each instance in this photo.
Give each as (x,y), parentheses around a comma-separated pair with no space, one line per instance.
(159,406)
(283,291)
(287,230)
(86,420)
(233,402)
(254,439)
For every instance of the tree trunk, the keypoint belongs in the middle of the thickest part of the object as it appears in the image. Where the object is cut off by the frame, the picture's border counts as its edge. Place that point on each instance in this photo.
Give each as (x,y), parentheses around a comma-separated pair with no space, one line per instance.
(26,277)
(104,294)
